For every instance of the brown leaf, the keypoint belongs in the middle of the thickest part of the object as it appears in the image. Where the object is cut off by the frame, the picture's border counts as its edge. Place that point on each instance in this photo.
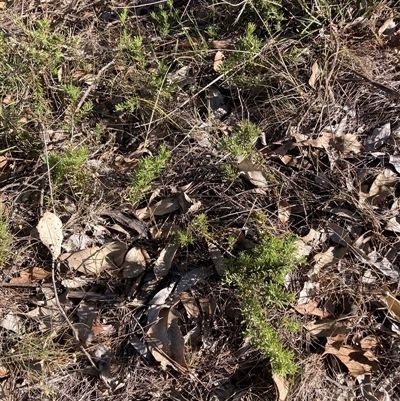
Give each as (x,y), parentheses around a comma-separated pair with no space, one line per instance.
(188,205)
(37,273)
(189,303)
(392,303)
(393,224)
(368,342)
(218,60)
(311,308)
(24,278)
(12,322)
(388,25)
(327,327)
(3,161)
(3,372)
(164,261)
(208,307)
(315,73)
(166,342)
(192,277)
(160,208)
(124,164)
(379,137)
(50,232)
(95,260)
(329,258)
(130,222)
(357,361)
(134,264)
(344,144)
(380,188)
(30,274)
(8,98)
(302,249)
(282,384)
(253,172)
(221,44)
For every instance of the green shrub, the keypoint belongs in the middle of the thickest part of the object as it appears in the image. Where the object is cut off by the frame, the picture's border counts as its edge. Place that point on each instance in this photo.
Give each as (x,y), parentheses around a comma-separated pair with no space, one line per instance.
(147,170)
(5,238)
(68,166)
(258,277)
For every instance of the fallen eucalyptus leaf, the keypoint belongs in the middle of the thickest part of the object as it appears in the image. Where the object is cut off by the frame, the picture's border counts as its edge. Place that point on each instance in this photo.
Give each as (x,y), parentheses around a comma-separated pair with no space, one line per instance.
(392,303)
(379,137)
(282,384)
(95,260)
(164,206)
(338,234)
(190,305)
(387,27)
(166,342)
(357,361)
(26,276)
(329,258)
(344,144)
(394,160)
(164,261)
(12,322)
(130,222)
(311,308)
(218,60)
(315,74)
(327,328)
(134,264)
(139,346)
(161,297)
(380,188)
(393,224)
(217,258)
(50,232)
(76,282)
(192,277)
(253,172)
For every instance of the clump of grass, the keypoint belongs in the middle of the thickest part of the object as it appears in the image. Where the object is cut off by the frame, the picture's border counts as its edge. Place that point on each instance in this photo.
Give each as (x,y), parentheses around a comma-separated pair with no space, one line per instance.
(228,173)
(258,277)
(38,355)
(70,166)
(166,17)
(198,227)
(241,143)
(5,238)
(147,170)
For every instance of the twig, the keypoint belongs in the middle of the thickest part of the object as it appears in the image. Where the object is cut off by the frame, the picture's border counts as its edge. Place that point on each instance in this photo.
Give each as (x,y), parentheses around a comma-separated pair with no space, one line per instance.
(378,85)
(92,86)
(25,285)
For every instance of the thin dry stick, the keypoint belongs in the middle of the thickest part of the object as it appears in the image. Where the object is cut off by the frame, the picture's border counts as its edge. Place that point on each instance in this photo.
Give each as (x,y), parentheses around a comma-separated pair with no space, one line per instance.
(384,88)
(25,285)
(93,85)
